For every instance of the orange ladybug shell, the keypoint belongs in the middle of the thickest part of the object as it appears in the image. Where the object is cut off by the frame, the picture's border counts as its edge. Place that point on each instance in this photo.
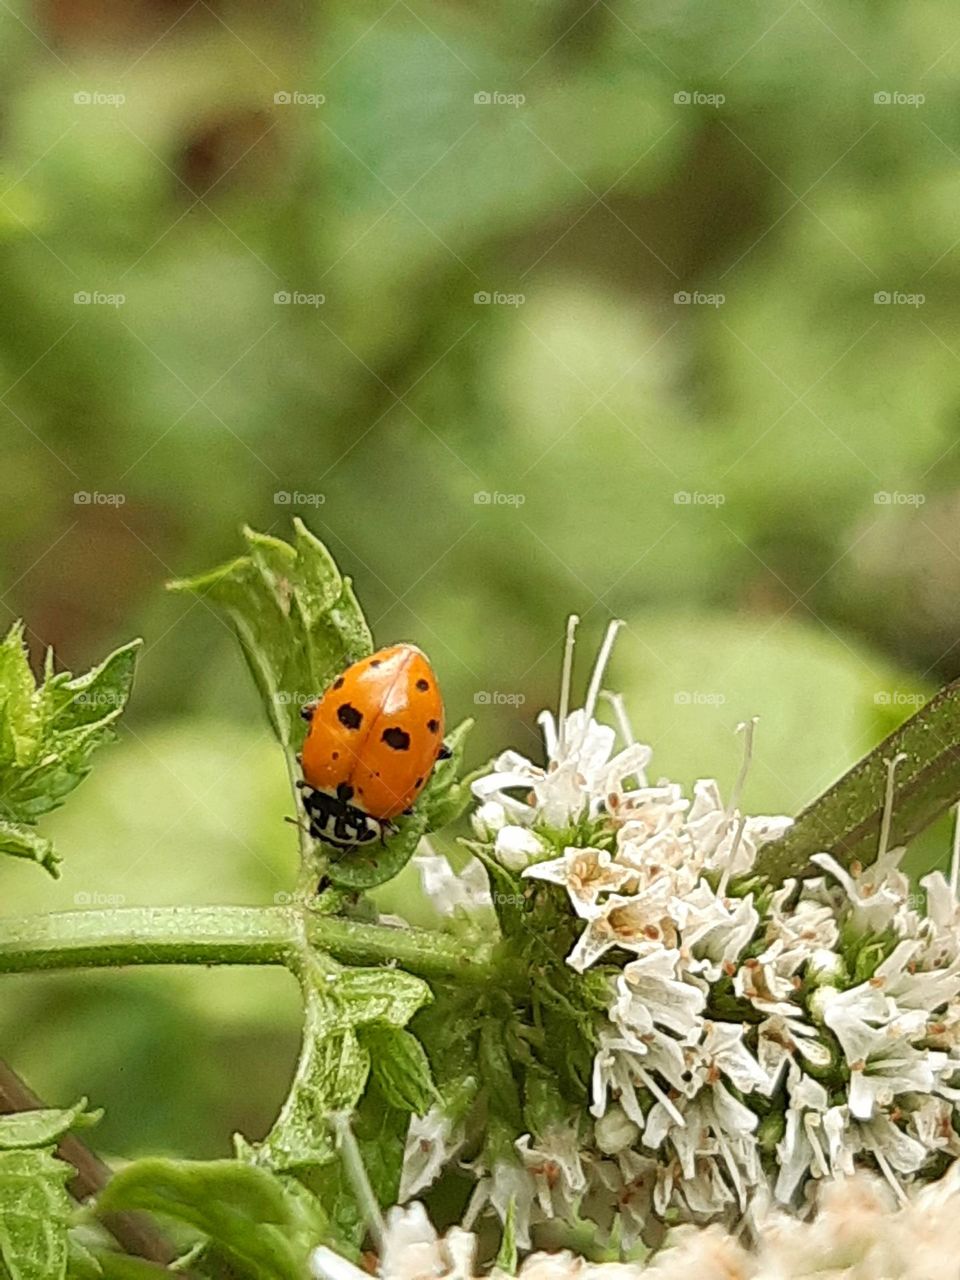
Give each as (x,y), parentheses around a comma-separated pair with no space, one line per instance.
(378,729)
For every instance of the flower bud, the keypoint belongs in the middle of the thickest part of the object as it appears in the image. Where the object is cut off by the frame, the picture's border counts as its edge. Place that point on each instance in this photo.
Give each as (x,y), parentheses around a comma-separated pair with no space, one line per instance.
(615,1131)
(516,847)
(488,819)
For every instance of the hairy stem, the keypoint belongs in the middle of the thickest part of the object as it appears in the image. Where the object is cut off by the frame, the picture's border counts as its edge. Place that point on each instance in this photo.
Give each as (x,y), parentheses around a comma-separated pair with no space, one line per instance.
(226,935)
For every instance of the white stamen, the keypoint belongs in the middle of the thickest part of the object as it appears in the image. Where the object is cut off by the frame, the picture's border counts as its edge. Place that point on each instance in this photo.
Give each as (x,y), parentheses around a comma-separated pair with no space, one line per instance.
(572,624)
(603,657)
(888,1173)
(955,860)
(888,802)
(747,729)
(731,857)
(356,1172)
(620,715)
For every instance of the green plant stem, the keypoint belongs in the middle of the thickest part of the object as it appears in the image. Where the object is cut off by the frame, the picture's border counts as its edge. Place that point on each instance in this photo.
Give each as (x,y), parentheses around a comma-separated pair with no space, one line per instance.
(227,935)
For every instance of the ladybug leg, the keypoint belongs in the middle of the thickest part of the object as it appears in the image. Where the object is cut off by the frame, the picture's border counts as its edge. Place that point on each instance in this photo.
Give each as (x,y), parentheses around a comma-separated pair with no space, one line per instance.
(444,753)
(308,709)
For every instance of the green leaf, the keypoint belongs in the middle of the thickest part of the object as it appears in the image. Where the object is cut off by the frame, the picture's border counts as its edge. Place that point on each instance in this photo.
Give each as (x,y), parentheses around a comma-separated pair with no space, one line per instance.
(334,1065)
(244,1211)
(34,1215)
(21,842)
(48,733)
(442,800)
(297,620)
(400,1067)
(43,1127)
(846,819)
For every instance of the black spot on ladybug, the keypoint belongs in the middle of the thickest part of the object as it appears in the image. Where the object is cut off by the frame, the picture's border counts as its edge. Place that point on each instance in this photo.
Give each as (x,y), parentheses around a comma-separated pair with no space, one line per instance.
(418,783)
(433,725)
(423,685)
(397,738)
(335,756)
(349,716)
(338,683)
(375,662)
(344,791)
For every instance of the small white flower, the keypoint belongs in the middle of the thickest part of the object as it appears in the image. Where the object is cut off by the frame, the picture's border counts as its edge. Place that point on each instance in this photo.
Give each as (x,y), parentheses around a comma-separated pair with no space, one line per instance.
(717,929)
(585,874)
(650,993)
(507,1187)
(628,922)
(432,1141)
(877,893)
(555,1167)
(805,1145)
(411,1248)
(450,891)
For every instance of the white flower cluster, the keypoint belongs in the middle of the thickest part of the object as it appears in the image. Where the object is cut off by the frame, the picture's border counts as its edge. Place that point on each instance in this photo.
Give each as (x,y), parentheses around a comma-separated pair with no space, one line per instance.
(754,1039)
(858,1233)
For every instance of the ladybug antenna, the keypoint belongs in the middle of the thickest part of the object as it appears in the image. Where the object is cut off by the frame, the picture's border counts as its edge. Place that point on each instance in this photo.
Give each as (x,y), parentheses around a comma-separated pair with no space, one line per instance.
(572,623)
(603,657)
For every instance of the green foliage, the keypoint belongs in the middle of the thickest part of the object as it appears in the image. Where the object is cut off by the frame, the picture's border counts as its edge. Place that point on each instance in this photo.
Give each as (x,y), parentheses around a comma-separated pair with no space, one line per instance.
(43,1127)
(400,1066)
(48,733)
(296,617)
(34,1215)
(334,1062)
(245,1212)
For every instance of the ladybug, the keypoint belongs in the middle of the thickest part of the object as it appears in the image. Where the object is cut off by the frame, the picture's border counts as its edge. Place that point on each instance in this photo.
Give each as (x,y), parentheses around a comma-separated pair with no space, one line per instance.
(373,740)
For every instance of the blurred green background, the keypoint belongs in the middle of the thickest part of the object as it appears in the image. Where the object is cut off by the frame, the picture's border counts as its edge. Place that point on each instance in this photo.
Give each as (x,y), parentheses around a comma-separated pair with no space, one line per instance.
(637,310)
